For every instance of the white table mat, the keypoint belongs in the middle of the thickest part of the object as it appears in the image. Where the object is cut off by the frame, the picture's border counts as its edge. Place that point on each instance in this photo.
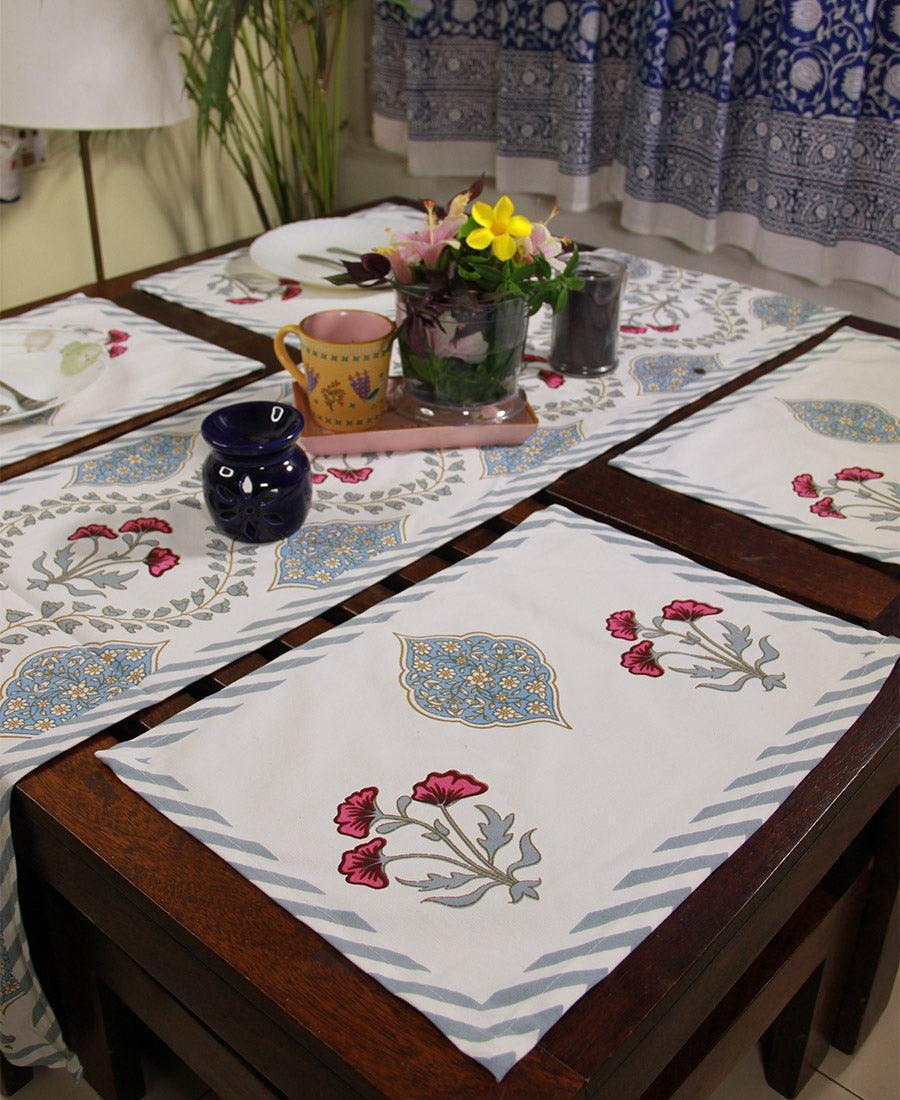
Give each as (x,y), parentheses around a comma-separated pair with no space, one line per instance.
(812,448)
(492,826)
(372,514)
(149,365)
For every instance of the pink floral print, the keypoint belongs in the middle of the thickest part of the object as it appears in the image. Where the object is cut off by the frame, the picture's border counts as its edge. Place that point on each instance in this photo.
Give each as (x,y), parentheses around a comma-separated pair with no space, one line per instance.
(804,486)
(622,624)
(853,484)
(364,865)
(467,863)
(147,523)
(445,788)
(722,662)
(93,531)
(357,812)
(160,560)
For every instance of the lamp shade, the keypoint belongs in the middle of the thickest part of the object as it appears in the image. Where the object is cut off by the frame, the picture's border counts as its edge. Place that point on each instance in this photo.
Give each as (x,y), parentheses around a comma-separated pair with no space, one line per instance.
(89,65)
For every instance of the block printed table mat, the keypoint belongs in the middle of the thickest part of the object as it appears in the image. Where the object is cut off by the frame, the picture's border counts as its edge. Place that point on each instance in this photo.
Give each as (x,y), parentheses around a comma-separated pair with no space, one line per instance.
(812,448)
(371,515)
(517,707)
(147,365)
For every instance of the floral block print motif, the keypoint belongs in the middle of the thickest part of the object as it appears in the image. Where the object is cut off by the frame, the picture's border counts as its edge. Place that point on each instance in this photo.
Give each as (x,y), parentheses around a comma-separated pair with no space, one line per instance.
(468,861)
(670,372)
(479,679)
(56,685)
(779,309)
(84,561)
(879,505)
(242,283)
(544,444)
(153,458)
(317,554)
(722,661)
(856,421)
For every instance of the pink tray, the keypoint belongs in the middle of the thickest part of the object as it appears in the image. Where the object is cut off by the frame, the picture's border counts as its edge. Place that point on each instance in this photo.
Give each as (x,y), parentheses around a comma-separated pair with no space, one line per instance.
(395,433)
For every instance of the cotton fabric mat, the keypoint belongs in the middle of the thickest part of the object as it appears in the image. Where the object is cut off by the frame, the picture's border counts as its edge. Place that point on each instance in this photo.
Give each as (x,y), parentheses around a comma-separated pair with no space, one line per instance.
(431,835)
(371,515)
(148,366)
(812,448)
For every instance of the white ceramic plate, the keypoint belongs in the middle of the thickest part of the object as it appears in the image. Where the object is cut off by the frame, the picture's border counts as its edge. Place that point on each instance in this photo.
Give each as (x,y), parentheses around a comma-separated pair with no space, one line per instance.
(280,249)
(50,365)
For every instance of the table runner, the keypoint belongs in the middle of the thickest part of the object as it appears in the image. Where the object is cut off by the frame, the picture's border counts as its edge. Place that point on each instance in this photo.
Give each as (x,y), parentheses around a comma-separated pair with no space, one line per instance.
(832,475)
(674,324)
(150,365)
(495,737)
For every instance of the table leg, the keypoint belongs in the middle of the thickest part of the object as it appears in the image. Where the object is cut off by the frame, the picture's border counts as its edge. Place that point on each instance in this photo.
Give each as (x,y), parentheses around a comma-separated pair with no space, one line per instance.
(876,954)
(12,1078)
(99,1028)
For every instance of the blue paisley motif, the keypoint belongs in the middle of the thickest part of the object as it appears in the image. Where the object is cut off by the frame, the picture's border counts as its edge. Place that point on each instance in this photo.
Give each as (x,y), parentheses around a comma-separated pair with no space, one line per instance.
(153,458)
(780,309)
(479,679)
(541,446)
(57,685)
(856,421)
(669,372)
(319,553)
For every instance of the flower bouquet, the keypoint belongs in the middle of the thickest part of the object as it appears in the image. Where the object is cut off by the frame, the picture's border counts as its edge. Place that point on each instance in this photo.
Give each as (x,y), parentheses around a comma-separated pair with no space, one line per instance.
(466,284)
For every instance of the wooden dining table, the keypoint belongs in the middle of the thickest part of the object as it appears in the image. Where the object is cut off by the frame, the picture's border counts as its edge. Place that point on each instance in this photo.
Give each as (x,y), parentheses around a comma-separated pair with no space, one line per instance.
(793,940)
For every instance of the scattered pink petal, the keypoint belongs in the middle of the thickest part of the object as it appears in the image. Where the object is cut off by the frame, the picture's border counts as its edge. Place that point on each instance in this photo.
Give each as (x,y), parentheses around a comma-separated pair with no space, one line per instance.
(632,328)
(291,292)
(551,378)
(116,336)
(114,350)
(243,301)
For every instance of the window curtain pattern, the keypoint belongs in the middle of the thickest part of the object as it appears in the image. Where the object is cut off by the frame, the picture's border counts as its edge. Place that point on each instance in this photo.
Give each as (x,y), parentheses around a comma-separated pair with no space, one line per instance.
(769,124)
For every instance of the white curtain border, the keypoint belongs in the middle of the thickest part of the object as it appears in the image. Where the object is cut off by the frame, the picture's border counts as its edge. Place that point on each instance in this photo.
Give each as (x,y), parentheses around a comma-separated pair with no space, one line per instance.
(864,263)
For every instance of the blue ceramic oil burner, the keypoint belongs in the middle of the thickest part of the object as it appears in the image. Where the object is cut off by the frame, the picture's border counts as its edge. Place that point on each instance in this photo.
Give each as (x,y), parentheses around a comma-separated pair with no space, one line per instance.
(256,482)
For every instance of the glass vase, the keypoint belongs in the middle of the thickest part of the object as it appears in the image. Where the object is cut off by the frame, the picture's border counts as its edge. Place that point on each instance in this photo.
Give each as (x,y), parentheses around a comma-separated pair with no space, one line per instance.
(461,358)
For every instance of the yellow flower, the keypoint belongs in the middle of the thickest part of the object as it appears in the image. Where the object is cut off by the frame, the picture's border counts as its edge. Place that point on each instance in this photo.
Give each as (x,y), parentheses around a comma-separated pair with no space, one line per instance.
(499,228)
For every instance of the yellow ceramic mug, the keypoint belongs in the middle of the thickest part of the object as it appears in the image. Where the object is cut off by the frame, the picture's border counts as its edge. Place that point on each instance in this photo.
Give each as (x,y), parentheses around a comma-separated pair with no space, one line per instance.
(346,355)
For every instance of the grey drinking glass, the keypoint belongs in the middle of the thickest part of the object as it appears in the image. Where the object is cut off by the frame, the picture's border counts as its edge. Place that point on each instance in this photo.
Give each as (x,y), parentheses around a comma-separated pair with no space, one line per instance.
(585,332)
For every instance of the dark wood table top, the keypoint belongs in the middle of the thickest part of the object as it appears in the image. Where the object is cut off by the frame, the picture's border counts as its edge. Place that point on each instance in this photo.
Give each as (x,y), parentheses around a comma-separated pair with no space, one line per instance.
(286,1001)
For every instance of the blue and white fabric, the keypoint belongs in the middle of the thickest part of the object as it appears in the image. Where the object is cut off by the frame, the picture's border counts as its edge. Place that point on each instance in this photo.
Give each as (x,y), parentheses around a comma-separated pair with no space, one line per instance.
(118,591)
(770,125)
(812,448)
(494,825)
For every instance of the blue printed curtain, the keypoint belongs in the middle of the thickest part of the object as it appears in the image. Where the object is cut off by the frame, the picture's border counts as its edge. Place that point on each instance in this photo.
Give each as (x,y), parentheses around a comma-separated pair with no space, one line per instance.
(769,124)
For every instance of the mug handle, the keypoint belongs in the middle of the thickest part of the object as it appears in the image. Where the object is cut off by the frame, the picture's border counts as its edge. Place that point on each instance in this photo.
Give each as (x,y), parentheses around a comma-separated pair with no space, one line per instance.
(284,356)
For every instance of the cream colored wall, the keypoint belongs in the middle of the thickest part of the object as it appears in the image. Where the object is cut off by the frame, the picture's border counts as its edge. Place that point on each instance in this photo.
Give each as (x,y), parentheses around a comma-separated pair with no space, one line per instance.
(157,198)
